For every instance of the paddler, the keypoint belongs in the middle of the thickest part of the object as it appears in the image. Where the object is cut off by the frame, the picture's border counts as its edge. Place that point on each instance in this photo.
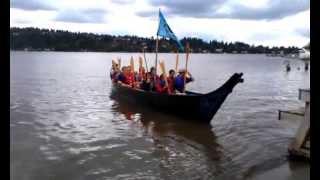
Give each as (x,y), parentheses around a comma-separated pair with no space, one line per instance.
(179,82)
(160,85)
(122,78)
(137,80)
(129,74)
(114,71)
(146,82)
(154,78)
(170,81)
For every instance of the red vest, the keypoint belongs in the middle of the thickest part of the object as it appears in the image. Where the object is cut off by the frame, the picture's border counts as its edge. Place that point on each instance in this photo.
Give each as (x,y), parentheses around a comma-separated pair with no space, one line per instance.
(170,84)
(159,88)
(129,79)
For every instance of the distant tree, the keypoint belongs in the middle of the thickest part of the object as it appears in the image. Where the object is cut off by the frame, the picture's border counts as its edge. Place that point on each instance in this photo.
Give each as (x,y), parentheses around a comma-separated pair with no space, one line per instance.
(59,40)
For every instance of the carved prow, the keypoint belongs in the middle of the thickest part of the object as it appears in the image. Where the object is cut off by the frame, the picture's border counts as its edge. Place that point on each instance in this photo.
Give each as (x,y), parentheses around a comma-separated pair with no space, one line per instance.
(212,101)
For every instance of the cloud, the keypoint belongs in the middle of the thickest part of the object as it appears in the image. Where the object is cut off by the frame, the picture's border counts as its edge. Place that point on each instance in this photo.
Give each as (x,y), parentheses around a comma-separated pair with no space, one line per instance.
(186,8)
(123,1)
(303,32)
(22,21)
(146,13)
(240,20)
(30,5)
(272,9)
(275,9)
(263,36)
(81,16)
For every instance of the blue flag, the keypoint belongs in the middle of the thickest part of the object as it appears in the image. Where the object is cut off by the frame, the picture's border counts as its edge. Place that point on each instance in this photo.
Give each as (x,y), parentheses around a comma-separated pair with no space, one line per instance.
(165,31)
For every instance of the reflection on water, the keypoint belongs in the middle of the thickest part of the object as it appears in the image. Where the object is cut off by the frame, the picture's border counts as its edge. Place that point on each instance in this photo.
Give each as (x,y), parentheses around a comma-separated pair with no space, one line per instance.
(184,147)
(65,125)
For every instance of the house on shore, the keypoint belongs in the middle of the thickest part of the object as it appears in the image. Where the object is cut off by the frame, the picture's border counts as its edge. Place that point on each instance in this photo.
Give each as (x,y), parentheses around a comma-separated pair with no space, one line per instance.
(219,50)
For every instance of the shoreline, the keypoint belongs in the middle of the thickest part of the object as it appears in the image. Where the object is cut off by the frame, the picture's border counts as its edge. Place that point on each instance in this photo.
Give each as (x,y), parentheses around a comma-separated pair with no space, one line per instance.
(140,52)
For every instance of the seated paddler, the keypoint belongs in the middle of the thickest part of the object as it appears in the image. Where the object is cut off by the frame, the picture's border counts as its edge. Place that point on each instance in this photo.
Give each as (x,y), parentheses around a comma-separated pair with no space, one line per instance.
(115,71)
(181,79)
(129,76)
(154,78)
(126,77)
(161,85)
(170,80)
(121,77)
(137,80)
(146,82)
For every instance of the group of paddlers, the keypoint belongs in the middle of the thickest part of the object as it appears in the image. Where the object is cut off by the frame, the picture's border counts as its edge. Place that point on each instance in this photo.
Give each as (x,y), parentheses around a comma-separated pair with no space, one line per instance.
(150,81)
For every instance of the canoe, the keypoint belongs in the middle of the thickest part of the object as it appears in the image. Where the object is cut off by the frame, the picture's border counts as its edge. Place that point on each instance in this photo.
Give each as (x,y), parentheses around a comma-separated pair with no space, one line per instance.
(192,105)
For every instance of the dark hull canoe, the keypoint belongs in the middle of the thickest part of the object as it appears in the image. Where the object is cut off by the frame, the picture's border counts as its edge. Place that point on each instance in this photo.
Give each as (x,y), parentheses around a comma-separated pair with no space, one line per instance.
(195,106)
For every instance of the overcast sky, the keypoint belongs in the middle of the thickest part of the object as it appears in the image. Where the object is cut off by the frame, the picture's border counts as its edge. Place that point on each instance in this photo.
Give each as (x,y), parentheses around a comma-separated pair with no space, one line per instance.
(266,22)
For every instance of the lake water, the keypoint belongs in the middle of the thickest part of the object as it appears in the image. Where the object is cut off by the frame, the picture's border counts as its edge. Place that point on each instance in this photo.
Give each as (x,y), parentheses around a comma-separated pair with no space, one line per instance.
(65,125)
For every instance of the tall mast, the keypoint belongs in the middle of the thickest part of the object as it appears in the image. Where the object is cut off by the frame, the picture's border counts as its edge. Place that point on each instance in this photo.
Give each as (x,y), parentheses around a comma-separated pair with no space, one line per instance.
(157,44)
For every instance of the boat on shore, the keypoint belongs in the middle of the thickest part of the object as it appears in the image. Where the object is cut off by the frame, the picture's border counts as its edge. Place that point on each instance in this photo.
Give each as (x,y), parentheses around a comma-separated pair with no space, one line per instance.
(304,54)
(191,105)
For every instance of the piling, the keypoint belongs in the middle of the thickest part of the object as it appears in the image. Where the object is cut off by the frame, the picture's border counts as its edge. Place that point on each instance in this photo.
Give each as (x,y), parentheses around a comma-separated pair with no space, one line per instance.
(300,146)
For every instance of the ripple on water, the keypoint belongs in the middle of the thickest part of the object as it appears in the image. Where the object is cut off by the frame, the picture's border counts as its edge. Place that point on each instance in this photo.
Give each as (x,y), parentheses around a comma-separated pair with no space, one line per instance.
(64,125)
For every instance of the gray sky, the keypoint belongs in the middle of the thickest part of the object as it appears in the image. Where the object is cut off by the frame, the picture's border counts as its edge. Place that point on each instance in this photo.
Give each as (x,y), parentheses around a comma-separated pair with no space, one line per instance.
(266,22)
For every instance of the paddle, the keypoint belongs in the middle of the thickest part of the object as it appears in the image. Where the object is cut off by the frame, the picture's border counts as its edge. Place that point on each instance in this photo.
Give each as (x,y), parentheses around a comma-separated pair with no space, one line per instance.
(163,69)
(132,72)
(177,61)
(113,62)
(119,62)
(145,60)
(187,59)
(113,67)
(140,62)
(132,64)
(141,68)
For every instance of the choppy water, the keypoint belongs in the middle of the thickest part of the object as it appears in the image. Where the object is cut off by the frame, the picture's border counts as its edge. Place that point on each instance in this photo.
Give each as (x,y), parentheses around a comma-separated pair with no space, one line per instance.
(64,125)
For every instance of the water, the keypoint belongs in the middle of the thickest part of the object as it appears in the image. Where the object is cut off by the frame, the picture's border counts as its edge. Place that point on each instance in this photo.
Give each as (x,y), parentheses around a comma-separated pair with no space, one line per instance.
(64,125)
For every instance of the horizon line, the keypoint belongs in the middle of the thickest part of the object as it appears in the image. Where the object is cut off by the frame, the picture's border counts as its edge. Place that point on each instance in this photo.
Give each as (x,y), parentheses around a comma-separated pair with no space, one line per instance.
(152,37)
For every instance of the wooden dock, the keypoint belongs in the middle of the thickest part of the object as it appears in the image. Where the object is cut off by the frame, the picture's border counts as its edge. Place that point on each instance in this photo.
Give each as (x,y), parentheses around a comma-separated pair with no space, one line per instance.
(301,144)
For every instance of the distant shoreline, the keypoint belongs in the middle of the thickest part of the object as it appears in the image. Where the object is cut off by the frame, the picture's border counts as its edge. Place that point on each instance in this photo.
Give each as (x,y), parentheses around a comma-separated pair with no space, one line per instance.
(35,39)
(135,52)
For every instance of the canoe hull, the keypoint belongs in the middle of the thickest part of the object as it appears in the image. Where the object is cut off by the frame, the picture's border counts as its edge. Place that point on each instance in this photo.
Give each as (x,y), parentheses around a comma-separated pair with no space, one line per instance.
(193,106)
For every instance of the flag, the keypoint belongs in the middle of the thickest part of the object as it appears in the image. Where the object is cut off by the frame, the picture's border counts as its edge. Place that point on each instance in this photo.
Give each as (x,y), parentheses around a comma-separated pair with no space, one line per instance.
(165,31)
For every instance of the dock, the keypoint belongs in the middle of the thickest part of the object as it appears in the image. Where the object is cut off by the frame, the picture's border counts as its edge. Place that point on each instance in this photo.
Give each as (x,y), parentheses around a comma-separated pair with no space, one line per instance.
(300,146)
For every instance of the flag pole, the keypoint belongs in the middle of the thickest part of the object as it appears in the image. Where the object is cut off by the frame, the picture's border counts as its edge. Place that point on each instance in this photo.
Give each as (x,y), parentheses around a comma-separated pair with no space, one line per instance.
(186,70)
(187,55)
(177,60)
(157,44)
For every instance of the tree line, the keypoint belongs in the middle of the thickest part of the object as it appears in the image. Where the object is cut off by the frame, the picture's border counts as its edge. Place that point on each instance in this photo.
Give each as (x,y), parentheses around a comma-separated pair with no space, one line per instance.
(58,40)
